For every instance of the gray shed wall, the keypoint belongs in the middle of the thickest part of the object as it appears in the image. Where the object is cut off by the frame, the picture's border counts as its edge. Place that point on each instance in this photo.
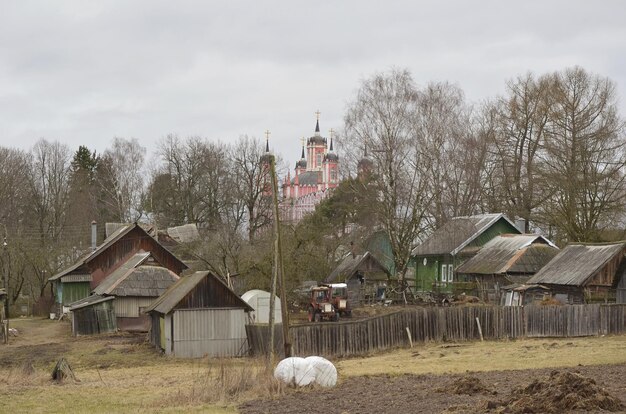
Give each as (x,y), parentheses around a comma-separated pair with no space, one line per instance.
(212,332)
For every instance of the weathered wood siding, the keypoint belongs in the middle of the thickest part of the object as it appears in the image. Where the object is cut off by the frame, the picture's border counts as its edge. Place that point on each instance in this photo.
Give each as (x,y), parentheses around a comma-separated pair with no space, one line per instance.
(116,254)
(445,324)
(212,332)
(99,318)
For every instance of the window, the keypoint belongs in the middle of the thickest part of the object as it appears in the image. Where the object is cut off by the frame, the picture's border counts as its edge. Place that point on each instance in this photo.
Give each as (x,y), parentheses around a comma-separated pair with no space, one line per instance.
(444,273)
(450,273)
(319,160)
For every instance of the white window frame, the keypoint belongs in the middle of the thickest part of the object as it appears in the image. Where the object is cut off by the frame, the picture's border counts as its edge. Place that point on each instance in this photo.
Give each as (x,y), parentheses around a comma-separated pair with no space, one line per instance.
(450,273)
(444,273)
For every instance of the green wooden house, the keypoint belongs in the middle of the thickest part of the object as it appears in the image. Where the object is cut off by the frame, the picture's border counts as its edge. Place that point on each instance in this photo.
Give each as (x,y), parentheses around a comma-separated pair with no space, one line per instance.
(435,260)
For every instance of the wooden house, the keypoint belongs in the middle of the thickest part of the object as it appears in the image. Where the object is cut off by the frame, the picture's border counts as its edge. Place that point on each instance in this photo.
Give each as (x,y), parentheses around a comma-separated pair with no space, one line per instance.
(364,274)
(197,316)
(506,259)
(79,280)
(433,262)
(133,286)
(583,273)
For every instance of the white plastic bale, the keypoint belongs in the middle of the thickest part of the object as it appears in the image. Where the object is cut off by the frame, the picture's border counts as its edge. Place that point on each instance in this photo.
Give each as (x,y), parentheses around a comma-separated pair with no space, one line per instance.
(325,371)
(295,370)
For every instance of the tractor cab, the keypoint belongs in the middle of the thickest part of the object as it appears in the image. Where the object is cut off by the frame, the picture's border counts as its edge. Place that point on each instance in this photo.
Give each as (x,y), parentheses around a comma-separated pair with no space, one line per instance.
(320,305)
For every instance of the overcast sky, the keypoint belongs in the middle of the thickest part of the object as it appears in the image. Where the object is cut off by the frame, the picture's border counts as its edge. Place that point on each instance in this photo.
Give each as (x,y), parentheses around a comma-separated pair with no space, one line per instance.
(82,72)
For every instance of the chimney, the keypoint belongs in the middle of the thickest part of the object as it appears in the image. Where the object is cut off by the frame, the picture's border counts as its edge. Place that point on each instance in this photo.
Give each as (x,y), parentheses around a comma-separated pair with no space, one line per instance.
(352,250)
(94,235)
(520,223)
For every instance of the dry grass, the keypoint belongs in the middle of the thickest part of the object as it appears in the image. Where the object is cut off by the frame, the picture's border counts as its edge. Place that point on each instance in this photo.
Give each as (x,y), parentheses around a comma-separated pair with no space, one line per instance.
(122,373)
(491,356)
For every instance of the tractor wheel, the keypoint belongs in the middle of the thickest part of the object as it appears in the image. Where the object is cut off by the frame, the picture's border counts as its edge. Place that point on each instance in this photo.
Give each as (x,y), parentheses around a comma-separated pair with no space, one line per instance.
(317,317)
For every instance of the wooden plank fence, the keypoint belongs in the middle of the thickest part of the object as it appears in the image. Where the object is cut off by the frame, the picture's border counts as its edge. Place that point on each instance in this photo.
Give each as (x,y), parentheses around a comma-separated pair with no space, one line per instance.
(347,337)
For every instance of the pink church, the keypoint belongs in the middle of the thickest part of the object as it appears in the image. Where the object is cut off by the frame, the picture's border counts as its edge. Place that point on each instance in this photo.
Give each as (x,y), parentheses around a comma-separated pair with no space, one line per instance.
(316,174)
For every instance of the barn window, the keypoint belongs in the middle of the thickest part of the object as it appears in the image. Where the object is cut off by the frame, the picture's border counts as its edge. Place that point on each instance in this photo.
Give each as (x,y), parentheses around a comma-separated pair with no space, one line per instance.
(450,273)
(444,273)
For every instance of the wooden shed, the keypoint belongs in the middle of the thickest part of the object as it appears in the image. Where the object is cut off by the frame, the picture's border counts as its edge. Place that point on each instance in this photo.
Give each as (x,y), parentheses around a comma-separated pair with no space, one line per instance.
(93,315)
(584,273)
(363,273)
(197,316)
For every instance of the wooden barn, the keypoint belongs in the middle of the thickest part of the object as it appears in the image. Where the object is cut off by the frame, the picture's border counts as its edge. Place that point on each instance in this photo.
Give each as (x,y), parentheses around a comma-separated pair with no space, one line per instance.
(584,273)
(364,274)
(79,280)
(505,260)
(197,316)
(434,261)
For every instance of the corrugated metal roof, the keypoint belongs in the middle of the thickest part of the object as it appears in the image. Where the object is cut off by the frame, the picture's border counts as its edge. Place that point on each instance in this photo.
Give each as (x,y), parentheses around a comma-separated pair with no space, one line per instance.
(168,300)
(88,301)
(453,236)
(511,253)
(576,263)
(133,278)
(120,273)
(349,265)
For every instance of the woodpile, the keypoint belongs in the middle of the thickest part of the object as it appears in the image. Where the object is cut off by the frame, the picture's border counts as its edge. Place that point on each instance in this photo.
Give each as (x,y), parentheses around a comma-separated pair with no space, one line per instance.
(62,371)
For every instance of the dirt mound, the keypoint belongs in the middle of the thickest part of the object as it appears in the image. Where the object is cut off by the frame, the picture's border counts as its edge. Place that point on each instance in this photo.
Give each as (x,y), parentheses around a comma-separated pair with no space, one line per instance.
(560,392)
(469,386)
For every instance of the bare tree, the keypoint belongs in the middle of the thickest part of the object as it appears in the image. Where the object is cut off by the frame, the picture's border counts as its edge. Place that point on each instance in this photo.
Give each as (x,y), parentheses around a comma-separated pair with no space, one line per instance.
(245,156)
(121,178)
(382,117)
(516,142)
(451,155)
(584,158)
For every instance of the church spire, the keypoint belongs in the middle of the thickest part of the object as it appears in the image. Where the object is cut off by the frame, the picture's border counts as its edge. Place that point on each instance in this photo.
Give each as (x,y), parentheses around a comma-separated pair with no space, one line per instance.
(317,124)
(302,156)
(267,141)
(331,132)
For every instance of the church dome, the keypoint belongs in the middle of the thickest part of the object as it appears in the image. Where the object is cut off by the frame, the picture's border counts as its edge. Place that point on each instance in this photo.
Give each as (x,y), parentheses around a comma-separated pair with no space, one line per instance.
(301,163)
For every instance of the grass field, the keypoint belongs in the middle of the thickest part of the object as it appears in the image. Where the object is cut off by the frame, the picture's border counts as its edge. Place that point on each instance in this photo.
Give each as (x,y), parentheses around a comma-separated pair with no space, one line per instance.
(122,373)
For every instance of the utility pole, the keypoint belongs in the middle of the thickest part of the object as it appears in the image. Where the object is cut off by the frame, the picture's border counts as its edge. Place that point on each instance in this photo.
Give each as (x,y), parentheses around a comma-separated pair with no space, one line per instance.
(278,269)
(6,275)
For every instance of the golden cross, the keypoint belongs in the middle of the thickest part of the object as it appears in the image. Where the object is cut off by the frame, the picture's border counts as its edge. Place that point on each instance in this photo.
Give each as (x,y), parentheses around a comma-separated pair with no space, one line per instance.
(331,132)
(267,134)
(318,113)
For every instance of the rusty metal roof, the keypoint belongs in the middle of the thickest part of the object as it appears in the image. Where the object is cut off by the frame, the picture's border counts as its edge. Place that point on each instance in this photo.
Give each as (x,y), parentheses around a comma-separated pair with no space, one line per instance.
(577,263)
(511,253)
(453,236)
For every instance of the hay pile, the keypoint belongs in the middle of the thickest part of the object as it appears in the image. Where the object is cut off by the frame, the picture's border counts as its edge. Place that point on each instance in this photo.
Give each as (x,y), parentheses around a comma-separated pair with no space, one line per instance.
(560,392)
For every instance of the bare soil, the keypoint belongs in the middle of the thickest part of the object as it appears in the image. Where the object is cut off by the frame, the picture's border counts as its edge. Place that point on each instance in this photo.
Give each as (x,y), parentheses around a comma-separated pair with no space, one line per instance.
(581,389)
